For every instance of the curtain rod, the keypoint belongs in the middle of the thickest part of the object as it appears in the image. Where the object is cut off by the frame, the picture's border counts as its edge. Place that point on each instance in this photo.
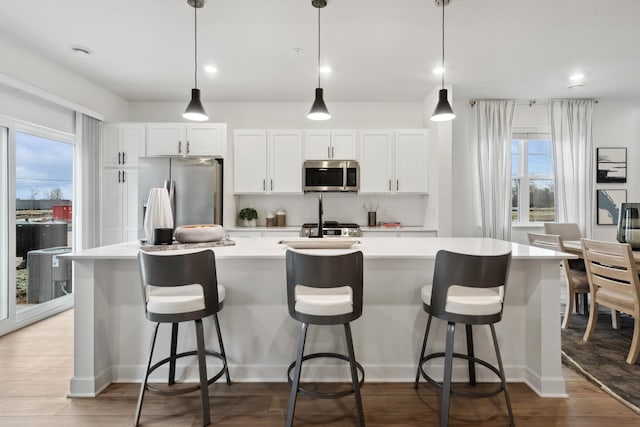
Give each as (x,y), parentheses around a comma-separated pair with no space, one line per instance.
(532,102)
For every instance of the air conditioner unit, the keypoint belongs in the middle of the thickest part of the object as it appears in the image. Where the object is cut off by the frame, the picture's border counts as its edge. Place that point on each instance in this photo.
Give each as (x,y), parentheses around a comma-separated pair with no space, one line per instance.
(49,275)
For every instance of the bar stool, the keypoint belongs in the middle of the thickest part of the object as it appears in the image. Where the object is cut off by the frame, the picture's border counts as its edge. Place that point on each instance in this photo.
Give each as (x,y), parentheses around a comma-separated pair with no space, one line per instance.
(180,288)
(324,290)
(462,293)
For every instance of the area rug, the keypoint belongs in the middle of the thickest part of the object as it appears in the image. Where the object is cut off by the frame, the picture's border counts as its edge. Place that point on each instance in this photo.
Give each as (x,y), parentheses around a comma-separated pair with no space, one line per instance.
(602,360)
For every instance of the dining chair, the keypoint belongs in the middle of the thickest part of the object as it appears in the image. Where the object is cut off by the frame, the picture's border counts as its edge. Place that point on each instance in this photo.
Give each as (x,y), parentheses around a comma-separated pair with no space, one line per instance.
(614,283)
(577,282)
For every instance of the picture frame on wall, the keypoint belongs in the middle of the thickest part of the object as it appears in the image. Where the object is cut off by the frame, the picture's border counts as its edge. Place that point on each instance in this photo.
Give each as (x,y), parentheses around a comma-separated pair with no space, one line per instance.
(611,165)
(609,202)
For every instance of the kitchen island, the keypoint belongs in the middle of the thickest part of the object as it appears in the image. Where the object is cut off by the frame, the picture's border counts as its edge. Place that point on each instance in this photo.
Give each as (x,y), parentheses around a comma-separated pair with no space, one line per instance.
(111,333)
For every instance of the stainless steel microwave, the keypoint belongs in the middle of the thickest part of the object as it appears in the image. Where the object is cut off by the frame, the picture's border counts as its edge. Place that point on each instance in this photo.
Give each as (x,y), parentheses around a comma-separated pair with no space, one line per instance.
(330,175)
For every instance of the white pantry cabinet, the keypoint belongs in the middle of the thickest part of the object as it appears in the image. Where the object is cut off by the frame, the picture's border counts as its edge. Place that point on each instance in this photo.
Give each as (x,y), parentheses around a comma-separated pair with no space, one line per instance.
(181,139)
(267,161)
(331,144)
(118,205)
(394,161)
(122,144)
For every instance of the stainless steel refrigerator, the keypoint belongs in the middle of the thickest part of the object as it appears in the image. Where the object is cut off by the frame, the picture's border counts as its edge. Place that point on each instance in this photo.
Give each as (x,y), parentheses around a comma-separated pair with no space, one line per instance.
(194,186)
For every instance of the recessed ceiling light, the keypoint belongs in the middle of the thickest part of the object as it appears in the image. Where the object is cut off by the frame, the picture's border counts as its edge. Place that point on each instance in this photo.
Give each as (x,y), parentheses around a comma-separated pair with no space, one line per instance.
(210,69)
(325,70)
(577,77)
(575,84)
(80,50)
(438,70)
(298,49)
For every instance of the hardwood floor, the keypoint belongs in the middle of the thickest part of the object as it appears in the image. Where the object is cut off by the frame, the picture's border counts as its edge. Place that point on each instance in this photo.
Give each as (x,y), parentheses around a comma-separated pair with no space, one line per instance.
(37,362)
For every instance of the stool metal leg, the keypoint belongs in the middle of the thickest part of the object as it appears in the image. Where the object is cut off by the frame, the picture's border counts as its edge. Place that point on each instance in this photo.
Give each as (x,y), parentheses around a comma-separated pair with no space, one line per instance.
(143,386)
(174,347)
(222,352)
(202,368)
(296,374)
(502,376)
(424,347)
(470,353)
(354,373)
(446,380)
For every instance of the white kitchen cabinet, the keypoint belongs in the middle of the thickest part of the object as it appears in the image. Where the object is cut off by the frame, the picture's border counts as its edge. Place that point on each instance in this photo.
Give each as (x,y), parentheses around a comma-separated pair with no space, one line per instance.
(122,144)
(376,165)
(331,144)
(410,154)
(119,205)
(394,161)
(180,139)
(267,161)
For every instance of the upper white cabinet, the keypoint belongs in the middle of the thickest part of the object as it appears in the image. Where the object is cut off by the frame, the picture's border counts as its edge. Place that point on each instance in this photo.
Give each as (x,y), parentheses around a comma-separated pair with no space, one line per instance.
(180,139)
(394,161)
(331,144)
(267,161)
(376,165)
(122,144)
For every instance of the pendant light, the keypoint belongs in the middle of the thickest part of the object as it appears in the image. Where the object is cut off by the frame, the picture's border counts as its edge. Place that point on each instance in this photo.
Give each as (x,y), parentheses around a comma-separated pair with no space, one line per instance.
(319,109)
(443,111)
(195,110)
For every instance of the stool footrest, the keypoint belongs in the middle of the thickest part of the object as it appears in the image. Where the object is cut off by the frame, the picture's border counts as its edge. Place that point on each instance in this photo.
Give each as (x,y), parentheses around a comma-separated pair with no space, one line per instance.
(189,389)
(467,393)
(326,395)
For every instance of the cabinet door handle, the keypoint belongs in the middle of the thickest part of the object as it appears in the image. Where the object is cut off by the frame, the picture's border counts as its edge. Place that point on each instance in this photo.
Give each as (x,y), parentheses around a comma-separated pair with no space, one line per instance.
(333,153)
(389,185)
(119,179)
(264,185)
(271,184)
(397,184)
(328,152)
(179,147)
(188,147)
(123,177)
(119,161)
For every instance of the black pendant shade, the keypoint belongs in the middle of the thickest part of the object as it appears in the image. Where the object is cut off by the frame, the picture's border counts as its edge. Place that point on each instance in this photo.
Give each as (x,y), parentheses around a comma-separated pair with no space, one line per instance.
(319,109)
(443,111)
(195,110)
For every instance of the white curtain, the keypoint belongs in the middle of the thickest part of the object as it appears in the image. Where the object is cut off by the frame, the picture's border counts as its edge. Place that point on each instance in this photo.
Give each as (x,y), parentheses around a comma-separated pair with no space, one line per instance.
(571,122)
(90,173)
(493,136)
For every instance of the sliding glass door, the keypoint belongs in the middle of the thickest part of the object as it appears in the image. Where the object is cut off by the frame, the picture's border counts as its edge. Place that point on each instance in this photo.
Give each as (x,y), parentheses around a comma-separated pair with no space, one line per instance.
(5,276)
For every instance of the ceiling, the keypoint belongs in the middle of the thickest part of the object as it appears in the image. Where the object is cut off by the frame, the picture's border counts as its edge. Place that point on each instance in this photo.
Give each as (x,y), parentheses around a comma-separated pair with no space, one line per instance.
(379,50)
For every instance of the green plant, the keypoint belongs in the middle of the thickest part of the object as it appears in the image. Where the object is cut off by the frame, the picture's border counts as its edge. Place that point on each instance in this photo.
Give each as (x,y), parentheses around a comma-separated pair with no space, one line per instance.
(248,214)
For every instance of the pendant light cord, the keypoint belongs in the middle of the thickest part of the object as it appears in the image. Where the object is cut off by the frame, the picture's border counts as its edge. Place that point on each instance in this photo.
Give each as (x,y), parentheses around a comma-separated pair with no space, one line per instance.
(443,43)
(319,46)
(195,40)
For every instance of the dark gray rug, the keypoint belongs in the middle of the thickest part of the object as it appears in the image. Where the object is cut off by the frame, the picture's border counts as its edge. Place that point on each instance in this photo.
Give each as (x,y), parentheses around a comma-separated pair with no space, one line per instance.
(603,359)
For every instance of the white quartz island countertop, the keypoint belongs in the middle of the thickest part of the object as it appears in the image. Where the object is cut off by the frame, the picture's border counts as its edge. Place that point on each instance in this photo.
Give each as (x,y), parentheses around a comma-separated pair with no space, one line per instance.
(111,333)
(371,247)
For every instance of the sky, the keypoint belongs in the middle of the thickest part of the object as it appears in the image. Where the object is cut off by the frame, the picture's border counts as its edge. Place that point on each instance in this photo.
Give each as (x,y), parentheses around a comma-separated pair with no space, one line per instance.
(42,165)
(540,157)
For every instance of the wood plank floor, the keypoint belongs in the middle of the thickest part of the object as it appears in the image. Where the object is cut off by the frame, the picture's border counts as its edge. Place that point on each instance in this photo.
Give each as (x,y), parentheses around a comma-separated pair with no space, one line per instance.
(37,362)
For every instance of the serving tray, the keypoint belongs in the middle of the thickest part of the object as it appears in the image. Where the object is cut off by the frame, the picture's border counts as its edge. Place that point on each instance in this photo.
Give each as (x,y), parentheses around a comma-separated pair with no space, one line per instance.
(179,246)
(324,243)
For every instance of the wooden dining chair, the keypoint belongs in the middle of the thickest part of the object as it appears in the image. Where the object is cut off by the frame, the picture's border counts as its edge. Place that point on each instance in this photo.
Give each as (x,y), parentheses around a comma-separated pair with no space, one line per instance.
(613,279)
(577,282)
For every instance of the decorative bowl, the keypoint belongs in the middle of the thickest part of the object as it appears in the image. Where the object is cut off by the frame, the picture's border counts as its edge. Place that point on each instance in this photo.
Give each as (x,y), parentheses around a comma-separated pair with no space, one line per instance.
(199,233)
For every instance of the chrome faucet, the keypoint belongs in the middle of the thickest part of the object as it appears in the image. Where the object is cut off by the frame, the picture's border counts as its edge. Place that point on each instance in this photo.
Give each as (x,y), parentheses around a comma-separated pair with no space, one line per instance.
(320,212)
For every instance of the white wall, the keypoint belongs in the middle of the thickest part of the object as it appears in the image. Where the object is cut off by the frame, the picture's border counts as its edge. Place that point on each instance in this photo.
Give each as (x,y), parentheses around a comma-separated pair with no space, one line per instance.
(21,64)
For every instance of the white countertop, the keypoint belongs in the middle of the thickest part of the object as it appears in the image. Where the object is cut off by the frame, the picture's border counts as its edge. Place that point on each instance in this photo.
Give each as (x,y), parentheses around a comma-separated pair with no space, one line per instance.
(371,247)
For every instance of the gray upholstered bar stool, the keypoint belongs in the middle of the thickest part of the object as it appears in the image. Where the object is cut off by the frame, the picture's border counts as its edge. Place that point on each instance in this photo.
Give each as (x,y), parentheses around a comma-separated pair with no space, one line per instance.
(180,288)
(324,290)
(466,289)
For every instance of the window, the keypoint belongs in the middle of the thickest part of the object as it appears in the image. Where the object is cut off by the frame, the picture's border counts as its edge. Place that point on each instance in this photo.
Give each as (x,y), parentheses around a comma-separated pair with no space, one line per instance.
(532,182)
